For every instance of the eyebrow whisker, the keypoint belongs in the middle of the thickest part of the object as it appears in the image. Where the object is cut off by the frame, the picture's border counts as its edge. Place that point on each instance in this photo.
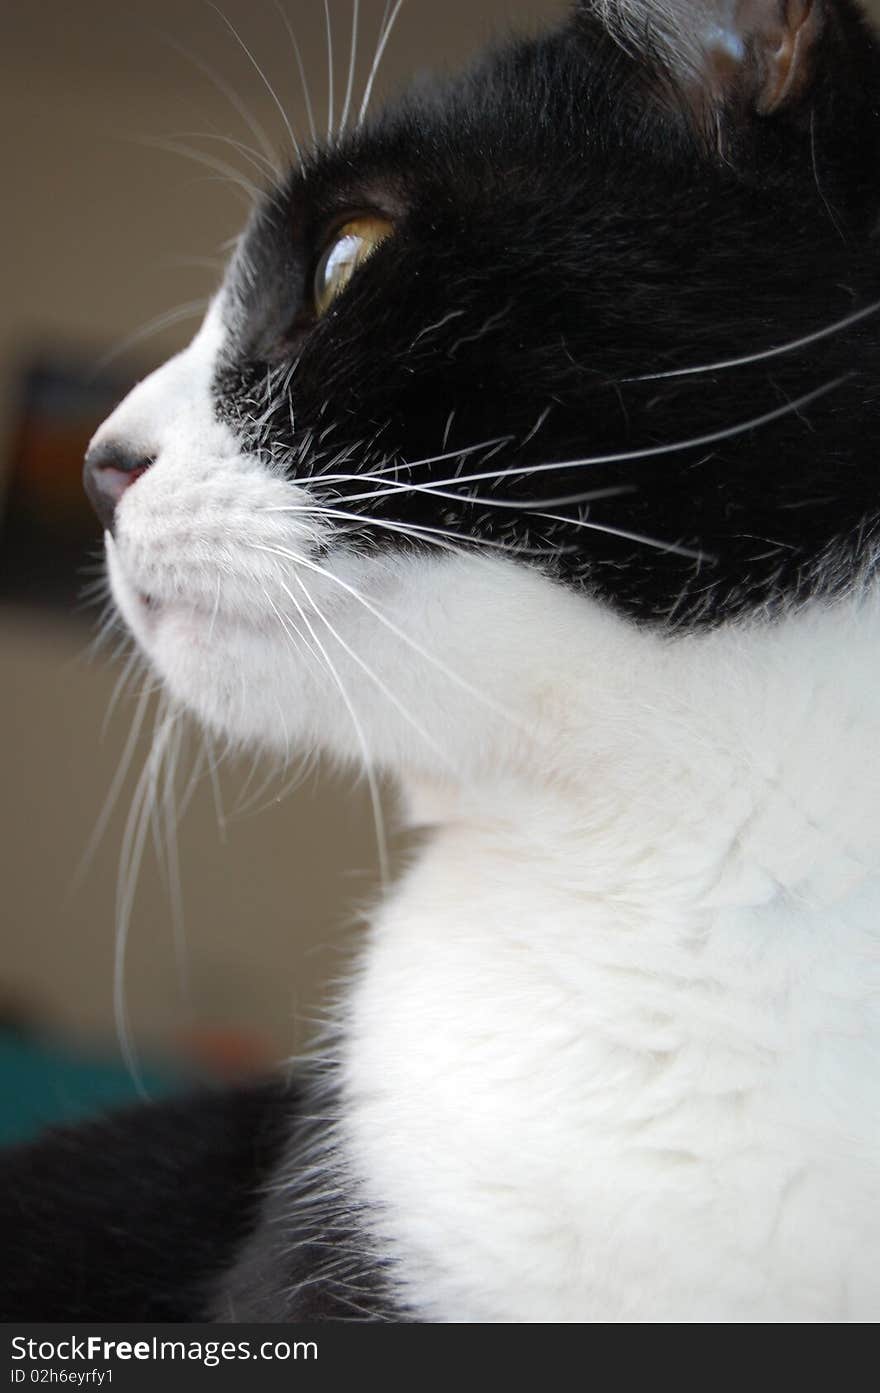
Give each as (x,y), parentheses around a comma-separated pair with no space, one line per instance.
(384,35)
(266,83)
(349,91)
(310,110)
(331,96)
(226,90)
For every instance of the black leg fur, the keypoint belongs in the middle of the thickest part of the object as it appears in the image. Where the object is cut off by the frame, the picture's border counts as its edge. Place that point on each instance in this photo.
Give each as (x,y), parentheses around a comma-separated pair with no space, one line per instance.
(132,1218)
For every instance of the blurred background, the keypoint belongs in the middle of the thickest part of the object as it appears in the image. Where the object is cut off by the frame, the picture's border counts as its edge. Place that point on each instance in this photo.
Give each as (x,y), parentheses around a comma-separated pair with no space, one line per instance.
(117,210)
(120,197)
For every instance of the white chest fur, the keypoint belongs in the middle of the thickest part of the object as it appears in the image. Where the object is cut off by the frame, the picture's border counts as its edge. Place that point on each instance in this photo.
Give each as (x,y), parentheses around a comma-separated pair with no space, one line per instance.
(613,1051)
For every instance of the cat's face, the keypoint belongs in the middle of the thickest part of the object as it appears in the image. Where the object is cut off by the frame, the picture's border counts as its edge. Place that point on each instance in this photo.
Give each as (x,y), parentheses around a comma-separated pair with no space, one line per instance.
(536,349)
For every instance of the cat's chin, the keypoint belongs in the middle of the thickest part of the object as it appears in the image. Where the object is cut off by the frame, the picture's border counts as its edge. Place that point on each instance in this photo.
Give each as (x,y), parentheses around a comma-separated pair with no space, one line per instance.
(305,676)
(222,668)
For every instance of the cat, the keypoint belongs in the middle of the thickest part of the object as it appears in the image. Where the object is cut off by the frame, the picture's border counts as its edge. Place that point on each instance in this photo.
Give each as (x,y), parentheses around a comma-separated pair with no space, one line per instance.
(527,454)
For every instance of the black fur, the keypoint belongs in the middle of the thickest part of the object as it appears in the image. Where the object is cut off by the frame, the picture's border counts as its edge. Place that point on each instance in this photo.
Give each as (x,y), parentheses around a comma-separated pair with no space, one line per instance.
(132,1217)
(564,225)
(172,1213)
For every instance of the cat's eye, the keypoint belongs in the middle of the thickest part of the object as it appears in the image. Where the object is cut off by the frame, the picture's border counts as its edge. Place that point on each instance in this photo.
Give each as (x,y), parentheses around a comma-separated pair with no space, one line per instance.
(350,248)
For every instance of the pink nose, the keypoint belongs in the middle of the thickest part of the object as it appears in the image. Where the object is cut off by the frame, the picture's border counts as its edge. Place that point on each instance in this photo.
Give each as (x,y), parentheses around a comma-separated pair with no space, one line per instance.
(108,471)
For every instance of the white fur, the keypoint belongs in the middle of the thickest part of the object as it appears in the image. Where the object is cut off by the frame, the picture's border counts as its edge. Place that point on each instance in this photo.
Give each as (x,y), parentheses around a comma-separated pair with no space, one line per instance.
(612,1051)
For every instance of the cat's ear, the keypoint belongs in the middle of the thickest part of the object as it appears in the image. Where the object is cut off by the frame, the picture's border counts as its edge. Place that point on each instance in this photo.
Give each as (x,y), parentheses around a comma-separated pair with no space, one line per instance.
(763,54)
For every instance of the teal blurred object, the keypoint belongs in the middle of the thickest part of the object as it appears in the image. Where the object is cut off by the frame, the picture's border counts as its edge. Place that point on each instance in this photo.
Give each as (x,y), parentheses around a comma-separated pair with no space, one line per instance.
(43,1084)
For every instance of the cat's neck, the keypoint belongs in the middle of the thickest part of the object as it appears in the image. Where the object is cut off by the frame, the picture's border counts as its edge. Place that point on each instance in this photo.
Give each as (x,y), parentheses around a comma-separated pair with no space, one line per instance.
(634,975)
(734,759)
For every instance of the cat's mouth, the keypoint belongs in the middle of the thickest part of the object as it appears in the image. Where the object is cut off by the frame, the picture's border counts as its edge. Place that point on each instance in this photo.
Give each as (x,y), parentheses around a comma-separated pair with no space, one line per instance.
(152,609)
(144,610)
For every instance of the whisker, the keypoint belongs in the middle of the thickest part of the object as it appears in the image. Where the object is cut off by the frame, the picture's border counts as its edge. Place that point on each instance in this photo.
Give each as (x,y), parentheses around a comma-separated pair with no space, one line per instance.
(115,789)
(217,796)
(355,15)
(619,457)
(204,263)
(266,83)
(224,88)
(817,181)
(792,346)
(193,781)
(405,638)
(153,326)
(218,166)
(246,800)
(378,816)
(330,93)
(171,821)
(310,111)
(486,445)
(259,162)
(674,547)
(438,536)
(385,690)
(133,660)
(131,856)
(384,36)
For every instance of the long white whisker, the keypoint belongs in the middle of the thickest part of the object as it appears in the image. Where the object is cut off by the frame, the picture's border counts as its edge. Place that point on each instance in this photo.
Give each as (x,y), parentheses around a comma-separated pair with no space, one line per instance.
(385,690)
(115,789)
(253,157)
(309,647)
(217,795)
(310,111)
(162,714)
(131,856)
(171,821)
(331,102)
(218,166)
(192,783)
(232,97)
(443,538)
(372,784)
(355,13)
(674,547)
(266,83)
(153,326)
(486,445)
(791,346)
(287,624)
(384,36)
(405,638)
(619,457)
(246,800)
(133,660)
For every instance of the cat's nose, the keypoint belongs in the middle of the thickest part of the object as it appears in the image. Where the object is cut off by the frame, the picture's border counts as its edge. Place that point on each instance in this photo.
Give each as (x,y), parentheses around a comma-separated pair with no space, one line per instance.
(109,469)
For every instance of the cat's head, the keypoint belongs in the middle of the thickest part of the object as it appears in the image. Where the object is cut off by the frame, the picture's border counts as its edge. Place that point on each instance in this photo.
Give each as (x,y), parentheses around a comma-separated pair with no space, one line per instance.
(584,338)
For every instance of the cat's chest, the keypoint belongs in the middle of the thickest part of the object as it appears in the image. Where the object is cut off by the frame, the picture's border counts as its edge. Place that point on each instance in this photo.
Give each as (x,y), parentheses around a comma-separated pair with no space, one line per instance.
(618,1061)
(682,1127)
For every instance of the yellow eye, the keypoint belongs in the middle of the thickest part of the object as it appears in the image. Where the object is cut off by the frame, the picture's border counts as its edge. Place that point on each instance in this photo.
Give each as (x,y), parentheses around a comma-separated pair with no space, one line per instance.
(350,248)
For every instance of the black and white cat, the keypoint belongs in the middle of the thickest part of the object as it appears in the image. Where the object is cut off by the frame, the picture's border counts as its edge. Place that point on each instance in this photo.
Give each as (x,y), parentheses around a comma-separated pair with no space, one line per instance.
(527,453)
